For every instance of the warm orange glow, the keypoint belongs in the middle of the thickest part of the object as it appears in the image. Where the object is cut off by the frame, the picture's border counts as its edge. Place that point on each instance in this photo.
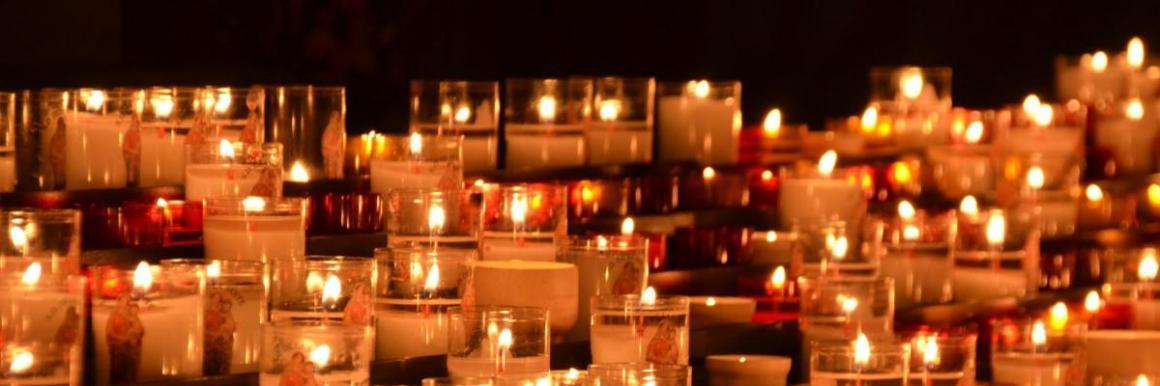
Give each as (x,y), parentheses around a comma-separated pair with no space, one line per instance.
(1058,316)
(869,120)
(462,114)
(1035,178)
(505,340)
(432,282)
(767,175)
(19,238)
(298,173)
(628,226)
(436,218)
(143,277)
(711,301)
(708,173)
(253,204)
(314,282)
(1093,193)
(996,228)
(224,100)
(415,143)
(331,291)
(162,105)
(930,354)
(700,88)
(1154,194)
(1031,105)
(609,110)
(974,132)
(320,355)
(778,278)
(906,210)
(31,274)
(901,173)
(861,350)
(827,162)
(770,236)
(1092,302)
(649,296)
(1038,334)
(22,360)
(911,83)
(849,304)
(910,232)
(1043,116)
(772,124)
(1148,267)
(519,209)
(1142,380)
(969,206)
(214,269)
(1099,61)
(1134,110)
(1136,52)
(839,247)
(95,100)
(226,149)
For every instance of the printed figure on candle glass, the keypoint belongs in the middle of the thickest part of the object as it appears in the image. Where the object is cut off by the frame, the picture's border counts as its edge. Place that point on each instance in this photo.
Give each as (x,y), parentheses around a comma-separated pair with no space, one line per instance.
(662,348)
(124,335)
(131,150)
(628,281)
(57,152)
(358,308)
(69,331)
(333,142)
(197,132)
(251,134)
(219,333)
(298,372)
(268,181)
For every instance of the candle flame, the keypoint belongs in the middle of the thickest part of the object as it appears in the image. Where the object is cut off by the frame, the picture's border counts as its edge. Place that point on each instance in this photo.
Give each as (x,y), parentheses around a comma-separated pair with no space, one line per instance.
(911,232)
(162,105)
(974,132)
(1154,194)
(298,173)
(711,301)
(649,296)
(1031,105)
(1148,267)
(462,114)
(320,355)
(31,274)
(436,218)
(601,242)
(224,100)
(214,269)
(861,350)
(996,228)
(21,361)
(609,110)
(1092,302)
(1093,193)
(415,143)
(906,210)
(161,203)
(519,209)
(1035,178)
(19,237)
(94,100)
(142,277)
(1134,110)
(547,108)
(628,226)
(331,290)
(930,354)
(1058,316)
(849,304)
(572,374)
(253,204)
(778,277)
(708,173)
(869,119)
(969,206)
(1099,61)
(505,340)
(770,236)
(839,248)
(827,162)
(1038,334)
(767,175)
(1142,380)
(701,89)
(772,124)
(432,282)
(314,282)
(911,83)
(1043,115)
(226,149)
(1136,52)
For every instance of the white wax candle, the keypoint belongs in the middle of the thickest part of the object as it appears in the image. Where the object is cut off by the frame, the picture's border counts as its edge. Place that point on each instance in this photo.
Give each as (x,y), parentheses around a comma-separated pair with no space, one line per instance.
(805,201)
(1132,143)
(1146,314)
(1044,369)
(919,277)
(479,153)
(256,238)
(1105,351)
(233,319)
(405,334)
(94,155)
(7,172)
(823,378)
(711,311)
(528,246)
(210,180)
(550,285)
(387,175)
(486,367)
(162,156)
(701,129)
(538,146)
(615,272)
(747,370)
(985,283)
(612,143)
(168,333)
(356,377)
(961,173)
(1059,147)
(627,343)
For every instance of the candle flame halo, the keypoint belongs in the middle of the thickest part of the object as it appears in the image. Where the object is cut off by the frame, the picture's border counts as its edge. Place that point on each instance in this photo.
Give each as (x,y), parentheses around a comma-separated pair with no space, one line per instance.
(1148,267)
(1099,61)
(1142,380)
(253,204)
(320,355)
(969,206)
(996,230)
(1134,110)
(1038,334)
(214,269)
(415,143)
(32,274)
(906,210)
(711,301)
(1035,177)
(778,277)
(1135,52)
(827,163)
(546,107)
(1092,302)
(911,83)
(1031,105)
(649,296)
(1093,193)
(143,277)
(298,173)
(22,360)
(974,132)
(869,119)
(772,123)
(226,149)
(1058,316)
(628,226)
(861,350)
(930,354)
(432,281)
(331,290)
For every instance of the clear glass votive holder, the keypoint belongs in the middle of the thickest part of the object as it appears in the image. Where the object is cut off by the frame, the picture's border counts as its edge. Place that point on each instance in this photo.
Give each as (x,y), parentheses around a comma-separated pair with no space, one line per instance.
(545,122)
(459,381)
(493,341)
(995,257)
(912,89)
(636,328)
(460,108)
(7,142)
(1055,212)
(417,287)
(85,149)
(846,362)
(431,216)
(942,359)
(235,308)
(255,228)
(1126,131)
(1034,352)
(1126,380)
(166,116)
(699,120)
(839,307)
(809,198)
(310,123)
(712,188)
(638,373)
(1101,208)
(607,265)
(1131,291)
(1055,150)
(312,352)
(417,161)
(147,323)
(331,289)
(604,198)
(43,319)
(236,114)
(962,170)
(232,169)
(622,129)
(915,251)
(835,248)
(523,221)
(49,236)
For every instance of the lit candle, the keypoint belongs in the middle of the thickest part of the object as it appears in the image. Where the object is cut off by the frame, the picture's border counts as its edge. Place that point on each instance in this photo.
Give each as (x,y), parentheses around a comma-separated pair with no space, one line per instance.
(417,161)
(95,145)
(212,171)
(640,328)
(771,126)
(255,228)
(861,356)
(807,199)
(713,311)
(622,132)
(699,120)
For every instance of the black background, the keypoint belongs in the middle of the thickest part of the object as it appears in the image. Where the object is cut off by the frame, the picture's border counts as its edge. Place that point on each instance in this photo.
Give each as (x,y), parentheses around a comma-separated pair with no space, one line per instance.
(808,56)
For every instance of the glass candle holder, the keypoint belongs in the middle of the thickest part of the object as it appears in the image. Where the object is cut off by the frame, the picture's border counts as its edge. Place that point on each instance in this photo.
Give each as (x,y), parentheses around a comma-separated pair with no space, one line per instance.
(962,170)
(1126,380)
(147,323)
(298,352)
(942,358)
(710,188)
(431,217)
(232,169)
(1051,141)
(607,265)
(7,142)
(1148,204)
(255,228)
(417,161)
(699,120)
(523,221)
(459,108)
(1030,351)
(331,289)
(640,374)
(1132,292)
(417,286)
(915,251)
(491,341)
(310,123)
(912,88)
(773,248)
(167,117)
(1076,77)
(1127,132)
(236,114)
(636,328)
(994,257)
(813,196)
(1104,353)
(756,370)
(608,198)
(839,307)
(459,381)
(622,131)
(858,362)
(235,308)
(51,237)
(39,117)
(161,222)
(835,248)
(85,148)
(1055,212)
(44,323)
(1103,209)
(545,122)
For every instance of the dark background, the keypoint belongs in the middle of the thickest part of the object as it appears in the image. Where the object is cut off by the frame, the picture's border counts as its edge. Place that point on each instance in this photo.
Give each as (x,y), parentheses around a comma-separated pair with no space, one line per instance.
(809,56)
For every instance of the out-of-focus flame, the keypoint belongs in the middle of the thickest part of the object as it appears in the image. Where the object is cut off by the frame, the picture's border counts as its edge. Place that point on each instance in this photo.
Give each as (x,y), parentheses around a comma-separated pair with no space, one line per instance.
(415,143)
(1093,193)
(628,226)
(320,355)
(772,124)
(974,132)
(649,296)
(226,149)
(331,291)
(298,173)
(609,110)
(1092,302)
(214,269)
(861,350)
(969,206)
(253,204)
(778,278)
(906,210)
(1099,61)
(996,229)
(1148,267)
(1038,334)
(869,119)
(911,83)
(1136,52)
(31,274)
(708,173)
(22,360)
(1134,110)
(546,107)
(432,282)
(701,88)
(1035,178)
(143,277)
(1058,316)
(827,163)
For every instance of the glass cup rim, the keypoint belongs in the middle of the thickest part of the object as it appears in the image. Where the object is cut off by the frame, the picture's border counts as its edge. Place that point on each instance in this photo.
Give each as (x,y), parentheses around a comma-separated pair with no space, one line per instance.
(885,281)
(286,325)
(884,346)
(441,254)
(34,214)
(245,266)
(301,87)
(518,313)
(235,205)
(635,302)
(614,243)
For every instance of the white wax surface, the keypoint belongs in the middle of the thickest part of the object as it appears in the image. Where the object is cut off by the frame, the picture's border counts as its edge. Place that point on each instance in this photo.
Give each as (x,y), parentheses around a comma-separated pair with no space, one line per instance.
(619,143)
(612,343)
(1105,350)
(806,201)
(403,334)
(94,154)
(701,129)
(212,180)
(544,151)
(919,278)
(7,172)
(171,347)
(961,173)
(1131,142)
(162,157)
(1006,369)
(257,238)
(534,247)
(1146,314)
(747,370)
(986,283)
(486,367)
(387,175)
(479,153)
(725,310)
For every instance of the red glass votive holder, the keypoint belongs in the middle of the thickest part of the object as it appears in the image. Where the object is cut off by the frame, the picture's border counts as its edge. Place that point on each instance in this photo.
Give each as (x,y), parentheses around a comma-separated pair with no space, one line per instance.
(706,247)
(100,225)
(656,194)
(711,188)
(345,213)
(601,198)
(764,184)
(172,222)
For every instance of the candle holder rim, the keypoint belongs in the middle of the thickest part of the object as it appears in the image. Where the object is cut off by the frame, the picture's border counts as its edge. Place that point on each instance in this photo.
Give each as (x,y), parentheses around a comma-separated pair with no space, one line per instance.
(441,254)
(36,214)
(635,301)
(519,313)
(299,87)
(228,265)
(274,205)
(615,243)
(316,325)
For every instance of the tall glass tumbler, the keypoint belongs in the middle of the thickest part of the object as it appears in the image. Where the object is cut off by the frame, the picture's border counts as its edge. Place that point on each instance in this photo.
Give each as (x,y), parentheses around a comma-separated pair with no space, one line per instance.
(460,108)
(310,123)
